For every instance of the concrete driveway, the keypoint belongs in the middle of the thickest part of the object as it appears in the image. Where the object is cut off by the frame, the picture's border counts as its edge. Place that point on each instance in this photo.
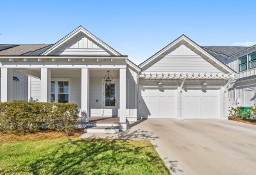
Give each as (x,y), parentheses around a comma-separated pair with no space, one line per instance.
(202,147)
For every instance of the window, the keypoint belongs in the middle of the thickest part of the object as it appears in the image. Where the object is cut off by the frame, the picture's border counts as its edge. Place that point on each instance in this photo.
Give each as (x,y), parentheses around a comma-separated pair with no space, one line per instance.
(60,91)
(63,94)
(252,58)
(52,91)
(110,95)
(243,63)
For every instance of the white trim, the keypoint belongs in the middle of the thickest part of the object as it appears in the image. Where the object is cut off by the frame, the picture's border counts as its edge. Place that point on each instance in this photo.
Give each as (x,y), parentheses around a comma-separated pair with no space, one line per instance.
(185,39)
(71,65)
(182,75)
(29,88)
(88,35)
(132,65)
(56,80)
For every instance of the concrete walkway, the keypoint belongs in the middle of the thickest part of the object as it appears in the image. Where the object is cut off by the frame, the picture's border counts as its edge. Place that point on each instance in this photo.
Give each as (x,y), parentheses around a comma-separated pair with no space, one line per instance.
(199,147)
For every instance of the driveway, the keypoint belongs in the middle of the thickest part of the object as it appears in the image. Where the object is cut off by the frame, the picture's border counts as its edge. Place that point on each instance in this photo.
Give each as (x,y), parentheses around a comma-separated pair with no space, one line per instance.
(202,147)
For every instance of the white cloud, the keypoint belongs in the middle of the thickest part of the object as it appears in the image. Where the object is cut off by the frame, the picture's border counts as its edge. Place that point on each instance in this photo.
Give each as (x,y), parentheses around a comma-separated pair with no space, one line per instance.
(248,43)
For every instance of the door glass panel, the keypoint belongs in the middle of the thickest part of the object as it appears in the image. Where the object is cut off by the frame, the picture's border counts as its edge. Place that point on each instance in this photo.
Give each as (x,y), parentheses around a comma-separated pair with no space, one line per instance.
(110,95)
(63,91)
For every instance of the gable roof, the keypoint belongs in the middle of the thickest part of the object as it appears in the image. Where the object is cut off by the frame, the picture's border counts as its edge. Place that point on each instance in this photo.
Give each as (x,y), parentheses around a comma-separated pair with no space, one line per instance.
(184,39)
(88,34)
(20,49)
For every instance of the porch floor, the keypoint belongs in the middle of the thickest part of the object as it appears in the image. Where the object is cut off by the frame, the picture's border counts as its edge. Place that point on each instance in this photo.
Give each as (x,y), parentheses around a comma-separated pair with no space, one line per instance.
(103,119)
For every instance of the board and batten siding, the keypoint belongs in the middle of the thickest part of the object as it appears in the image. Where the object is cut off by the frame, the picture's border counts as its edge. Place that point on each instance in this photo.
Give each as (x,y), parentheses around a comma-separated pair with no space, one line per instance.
(182,59)
(20,86)
(80,45)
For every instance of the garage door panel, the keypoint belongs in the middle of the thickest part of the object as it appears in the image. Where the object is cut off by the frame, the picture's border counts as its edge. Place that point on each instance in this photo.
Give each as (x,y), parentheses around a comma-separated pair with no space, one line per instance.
(158,103)
(191,107)
(210,107)
(197,104)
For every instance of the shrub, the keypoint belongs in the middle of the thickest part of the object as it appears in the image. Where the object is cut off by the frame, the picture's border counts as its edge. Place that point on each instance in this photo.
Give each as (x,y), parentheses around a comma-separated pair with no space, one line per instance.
(239,112)
(28,117)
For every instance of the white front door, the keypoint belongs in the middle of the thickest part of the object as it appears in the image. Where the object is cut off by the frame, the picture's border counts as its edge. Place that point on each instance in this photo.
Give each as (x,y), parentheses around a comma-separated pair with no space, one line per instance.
(158,103)
(198,104)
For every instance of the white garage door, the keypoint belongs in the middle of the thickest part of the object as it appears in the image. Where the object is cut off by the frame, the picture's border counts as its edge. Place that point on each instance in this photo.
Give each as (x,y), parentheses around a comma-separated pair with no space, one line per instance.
(157,103)
(197,104)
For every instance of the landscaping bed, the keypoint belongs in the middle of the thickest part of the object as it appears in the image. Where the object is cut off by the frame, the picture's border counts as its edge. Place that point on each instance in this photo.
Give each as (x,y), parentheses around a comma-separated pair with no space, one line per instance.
(44,134)
(243,114)
(79,156)
(248,121)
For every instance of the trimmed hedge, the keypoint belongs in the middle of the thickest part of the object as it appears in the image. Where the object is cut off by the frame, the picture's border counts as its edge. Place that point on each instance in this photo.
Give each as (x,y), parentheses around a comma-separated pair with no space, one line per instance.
(28,117)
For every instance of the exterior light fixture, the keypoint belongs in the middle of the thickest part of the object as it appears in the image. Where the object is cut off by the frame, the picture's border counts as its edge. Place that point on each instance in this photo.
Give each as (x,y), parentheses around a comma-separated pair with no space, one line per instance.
(108,78)
(204,84)
(159,83)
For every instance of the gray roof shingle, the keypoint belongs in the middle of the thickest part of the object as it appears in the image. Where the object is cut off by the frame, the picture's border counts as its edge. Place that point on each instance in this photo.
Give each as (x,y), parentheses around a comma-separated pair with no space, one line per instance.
(225,50)
(22,49)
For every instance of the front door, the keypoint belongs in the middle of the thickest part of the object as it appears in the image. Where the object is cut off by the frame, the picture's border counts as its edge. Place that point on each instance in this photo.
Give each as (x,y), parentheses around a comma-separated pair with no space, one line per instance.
(110,103)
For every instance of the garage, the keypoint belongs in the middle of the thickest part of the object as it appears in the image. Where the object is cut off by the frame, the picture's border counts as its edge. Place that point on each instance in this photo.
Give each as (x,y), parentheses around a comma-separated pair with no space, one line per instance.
(158,103)
(198,104)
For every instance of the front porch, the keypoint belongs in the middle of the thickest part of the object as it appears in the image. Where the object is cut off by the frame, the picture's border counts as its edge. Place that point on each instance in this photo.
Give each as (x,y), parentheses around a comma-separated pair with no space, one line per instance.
(84,86)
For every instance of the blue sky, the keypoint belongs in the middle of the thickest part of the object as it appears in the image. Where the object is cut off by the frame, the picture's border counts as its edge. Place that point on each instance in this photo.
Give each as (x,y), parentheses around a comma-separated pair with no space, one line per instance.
(135,28)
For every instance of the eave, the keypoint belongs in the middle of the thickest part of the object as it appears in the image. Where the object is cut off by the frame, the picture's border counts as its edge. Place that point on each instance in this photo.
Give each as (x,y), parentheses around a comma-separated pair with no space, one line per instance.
(180,75)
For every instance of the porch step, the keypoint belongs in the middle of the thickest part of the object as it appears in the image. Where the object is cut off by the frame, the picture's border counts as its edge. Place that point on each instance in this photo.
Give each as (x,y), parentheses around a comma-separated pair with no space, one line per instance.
(96,124)
(102,129)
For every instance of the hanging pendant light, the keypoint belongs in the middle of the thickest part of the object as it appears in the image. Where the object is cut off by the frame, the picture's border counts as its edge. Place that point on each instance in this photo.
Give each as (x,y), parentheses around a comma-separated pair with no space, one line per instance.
(108,79)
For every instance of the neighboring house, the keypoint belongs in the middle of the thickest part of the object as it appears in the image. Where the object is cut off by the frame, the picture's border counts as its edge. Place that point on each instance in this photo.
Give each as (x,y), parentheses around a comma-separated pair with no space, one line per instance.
(182,81)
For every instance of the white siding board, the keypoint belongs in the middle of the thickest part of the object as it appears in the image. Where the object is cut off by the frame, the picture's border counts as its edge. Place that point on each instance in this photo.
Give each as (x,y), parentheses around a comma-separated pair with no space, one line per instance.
(182,59)
(75,91)
(35,89)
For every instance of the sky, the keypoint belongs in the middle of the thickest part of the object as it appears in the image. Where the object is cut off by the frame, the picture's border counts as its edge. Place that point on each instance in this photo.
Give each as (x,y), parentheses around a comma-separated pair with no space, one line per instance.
(137,28)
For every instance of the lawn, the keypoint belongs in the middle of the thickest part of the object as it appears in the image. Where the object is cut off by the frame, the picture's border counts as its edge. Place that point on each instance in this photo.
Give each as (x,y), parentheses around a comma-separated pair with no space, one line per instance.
(78,156)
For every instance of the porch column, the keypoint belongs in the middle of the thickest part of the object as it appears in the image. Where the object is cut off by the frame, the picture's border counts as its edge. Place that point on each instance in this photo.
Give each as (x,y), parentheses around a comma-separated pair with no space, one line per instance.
(122,111)
(45,84)
(6,84)
(85,91)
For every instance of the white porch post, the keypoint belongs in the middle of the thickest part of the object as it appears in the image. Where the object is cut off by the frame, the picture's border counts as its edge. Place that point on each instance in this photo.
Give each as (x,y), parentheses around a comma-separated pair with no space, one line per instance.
(45,84)
(122,111)
(85,77)
(6,84)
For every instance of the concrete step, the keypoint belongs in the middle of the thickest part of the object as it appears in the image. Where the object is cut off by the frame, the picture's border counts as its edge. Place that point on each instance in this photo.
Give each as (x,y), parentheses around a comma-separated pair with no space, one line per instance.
(92,124)
(102,129)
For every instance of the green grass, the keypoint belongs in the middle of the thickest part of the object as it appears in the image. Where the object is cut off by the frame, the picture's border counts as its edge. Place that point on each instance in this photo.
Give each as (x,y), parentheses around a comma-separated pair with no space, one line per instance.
(77,156)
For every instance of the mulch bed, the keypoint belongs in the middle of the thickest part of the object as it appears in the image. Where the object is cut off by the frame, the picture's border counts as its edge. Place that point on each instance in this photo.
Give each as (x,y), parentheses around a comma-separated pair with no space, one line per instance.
(248,121)
(42,135)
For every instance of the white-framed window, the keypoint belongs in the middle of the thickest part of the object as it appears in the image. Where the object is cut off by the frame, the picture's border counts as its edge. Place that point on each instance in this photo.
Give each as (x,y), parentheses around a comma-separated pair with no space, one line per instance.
(60,91)
(243,63)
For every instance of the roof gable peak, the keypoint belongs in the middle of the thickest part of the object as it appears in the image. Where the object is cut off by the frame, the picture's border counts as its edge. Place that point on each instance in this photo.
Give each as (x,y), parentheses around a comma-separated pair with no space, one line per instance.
(184,40)
(89,35)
